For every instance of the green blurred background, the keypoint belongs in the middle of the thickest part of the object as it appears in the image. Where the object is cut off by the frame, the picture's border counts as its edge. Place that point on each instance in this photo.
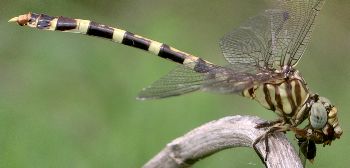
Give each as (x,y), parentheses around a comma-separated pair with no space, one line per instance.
(69,100)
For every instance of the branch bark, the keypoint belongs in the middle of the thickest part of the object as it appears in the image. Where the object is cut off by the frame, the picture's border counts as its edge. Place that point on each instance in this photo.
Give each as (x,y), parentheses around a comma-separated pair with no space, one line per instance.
(228,132)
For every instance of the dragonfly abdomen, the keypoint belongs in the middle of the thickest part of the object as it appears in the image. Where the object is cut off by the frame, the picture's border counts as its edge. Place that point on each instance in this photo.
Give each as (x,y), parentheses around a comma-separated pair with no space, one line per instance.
(64,24)
(284,97)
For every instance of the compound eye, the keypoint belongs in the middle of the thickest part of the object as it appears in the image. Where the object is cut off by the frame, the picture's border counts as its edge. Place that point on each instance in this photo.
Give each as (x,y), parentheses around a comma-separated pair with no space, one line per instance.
(325,101)
(318,116)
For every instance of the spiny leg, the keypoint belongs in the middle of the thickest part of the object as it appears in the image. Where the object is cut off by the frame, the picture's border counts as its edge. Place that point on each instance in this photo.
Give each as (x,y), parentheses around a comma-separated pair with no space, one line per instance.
(277,127)
(269,123)
(265,138)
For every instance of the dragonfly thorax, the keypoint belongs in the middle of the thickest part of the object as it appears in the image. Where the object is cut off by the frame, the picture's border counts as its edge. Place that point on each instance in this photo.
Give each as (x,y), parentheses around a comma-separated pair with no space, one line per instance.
(285,96)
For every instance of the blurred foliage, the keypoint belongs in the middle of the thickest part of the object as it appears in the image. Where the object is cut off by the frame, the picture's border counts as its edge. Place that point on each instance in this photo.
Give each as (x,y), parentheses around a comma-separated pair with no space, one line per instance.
(69,100)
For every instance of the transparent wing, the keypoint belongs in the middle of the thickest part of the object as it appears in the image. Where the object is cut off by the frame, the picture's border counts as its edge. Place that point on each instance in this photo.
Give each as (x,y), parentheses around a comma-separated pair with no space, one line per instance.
(215,78)
(234,79)
(179,81)
(250,43)
(275,38)
(297,18)
(269,41)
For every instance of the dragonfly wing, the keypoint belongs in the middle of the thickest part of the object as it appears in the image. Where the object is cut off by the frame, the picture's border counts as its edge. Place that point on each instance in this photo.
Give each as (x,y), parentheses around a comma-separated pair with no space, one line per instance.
(234,79)
(275,38)
(215,78)
(249,44)
(292,28)
(179,81)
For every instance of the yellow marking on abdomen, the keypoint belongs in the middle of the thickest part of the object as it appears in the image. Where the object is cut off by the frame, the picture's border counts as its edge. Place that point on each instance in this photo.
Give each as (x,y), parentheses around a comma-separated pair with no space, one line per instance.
(82,26)
(53,24)
(118,35)
(155,47)
(190,61)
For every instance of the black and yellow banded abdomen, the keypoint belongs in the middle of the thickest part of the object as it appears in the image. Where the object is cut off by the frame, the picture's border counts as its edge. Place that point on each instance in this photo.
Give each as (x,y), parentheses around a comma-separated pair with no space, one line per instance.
(91,28)
(285,98)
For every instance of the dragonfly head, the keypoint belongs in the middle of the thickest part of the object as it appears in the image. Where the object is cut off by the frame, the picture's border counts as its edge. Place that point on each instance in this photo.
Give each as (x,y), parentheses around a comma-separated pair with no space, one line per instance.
(324,125)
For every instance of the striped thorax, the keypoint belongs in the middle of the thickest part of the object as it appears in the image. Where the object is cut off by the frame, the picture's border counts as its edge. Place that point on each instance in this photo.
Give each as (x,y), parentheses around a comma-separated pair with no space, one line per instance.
(285,96)
(290,98)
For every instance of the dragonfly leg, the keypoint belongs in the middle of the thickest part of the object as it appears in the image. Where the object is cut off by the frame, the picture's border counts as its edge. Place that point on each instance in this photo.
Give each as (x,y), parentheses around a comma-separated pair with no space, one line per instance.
(266,141)
(269,123)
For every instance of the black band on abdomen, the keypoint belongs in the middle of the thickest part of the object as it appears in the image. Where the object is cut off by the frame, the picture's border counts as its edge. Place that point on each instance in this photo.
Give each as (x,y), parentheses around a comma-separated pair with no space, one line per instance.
(64,24)
(167,53)
(99,30)
(131,40)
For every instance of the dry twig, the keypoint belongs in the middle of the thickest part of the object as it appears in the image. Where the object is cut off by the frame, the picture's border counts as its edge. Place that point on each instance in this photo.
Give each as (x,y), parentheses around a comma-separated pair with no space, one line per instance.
(228,132)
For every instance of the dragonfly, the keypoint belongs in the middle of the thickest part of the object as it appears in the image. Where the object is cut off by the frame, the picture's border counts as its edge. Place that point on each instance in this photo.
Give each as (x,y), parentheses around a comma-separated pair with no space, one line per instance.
(262,54)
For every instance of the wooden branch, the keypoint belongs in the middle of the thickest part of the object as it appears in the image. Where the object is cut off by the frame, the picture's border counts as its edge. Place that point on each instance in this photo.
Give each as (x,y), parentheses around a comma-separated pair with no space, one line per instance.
(228,132)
